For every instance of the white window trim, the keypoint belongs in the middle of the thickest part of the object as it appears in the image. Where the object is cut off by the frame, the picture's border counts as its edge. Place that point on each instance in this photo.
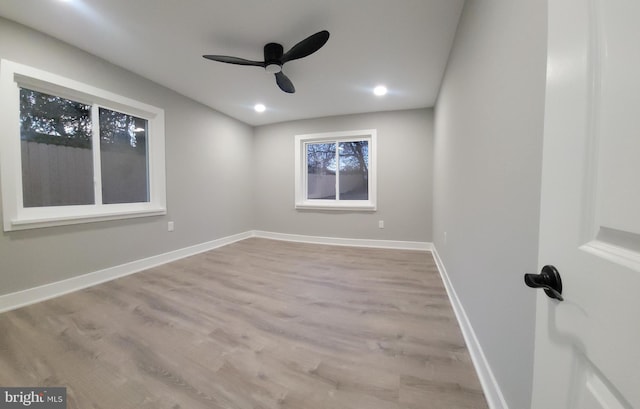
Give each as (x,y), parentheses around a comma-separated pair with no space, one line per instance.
(301,201)
(15,216)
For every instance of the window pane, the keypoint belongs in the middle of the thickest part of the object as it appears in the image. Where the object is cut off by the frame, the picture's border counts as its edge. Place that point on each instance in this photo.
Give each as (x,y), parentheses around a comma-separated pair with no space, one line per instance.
(321,171)
(124,158)
(57,161)
(354,170)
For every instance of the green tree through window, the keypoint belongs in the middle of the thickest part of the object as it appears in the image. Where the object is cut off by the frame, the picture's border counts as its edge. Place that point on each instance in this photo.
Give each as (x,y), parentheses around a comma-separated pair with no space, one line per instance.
(54,120)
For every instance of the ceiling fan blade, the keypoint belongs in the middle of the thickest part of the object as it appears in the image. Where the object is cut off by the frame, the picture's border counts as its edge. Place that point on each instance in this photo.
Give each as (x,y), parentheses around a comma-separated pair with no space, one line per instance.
(234,60)
(307,46)
(285,83)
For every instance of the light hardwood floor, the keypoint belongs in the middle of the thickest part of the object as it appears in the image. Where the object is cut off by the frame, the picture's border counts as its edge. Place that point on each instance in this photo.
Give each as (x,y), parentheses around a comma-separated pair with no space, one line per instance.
(256,324)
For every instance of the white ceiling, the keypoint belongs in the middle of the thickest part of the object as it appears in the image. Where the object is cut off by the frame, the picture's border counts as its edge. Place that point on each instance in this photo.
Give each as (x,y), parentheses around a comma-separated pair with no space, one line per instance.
(403,44)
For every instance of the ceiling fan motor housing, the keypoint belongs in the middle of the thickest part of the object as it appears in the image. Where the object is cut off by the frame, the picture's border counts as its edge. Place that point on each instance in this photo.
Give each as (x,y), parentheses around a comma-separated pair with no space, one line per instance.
(273,57)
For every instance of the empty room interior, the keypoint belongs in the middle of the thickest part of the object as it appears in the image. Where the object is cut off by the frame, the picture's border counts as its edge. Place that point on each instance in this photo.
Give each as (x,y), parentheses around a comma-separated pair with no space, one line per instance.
(283,204)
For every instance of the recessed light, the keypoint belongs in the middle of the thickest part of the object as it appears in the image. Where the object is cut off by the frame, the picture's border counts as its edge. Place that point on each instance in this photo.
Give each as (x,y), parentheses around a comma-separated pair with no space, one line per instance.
(260,108)
(380,90)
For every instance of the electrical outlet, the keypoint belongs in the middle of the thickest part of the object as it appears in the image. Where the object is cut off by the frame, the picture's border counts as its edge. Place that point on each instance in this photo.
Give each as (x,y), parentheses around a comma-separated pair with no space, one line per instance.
(381,224)
(170,226)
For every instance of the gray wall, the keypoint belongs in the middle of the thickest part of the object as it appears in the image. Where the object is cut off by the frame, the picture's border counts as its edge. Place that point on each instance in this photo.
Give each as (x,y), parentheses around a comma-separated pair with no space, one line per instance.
(488,142)
(223,177)
(405,155)
(208,165)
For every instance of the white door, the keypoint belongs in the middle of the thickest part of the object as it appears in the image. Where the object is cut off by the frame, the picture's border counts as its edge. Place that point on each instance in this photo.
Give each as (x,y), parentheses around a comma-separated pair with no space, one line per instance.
(587,352)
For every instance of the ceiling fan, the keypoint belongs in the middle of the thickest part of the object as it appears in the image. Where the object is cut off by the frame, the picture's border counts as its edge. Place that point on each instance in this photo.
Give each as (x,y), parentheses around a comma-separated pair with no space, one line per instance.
(275,57)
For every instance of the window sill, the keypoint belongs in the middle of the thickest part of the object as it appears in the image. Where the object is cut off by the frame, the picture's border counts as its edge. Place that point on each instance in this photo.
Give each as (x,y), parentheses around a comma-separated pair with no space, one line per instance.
(360,205)
(40,219)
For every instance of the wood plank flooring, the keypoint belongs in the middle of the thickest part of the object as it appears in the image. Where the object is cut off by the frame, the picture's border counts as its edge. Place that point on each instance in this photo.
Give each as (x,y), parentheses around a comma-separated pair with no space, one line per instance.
(258,324)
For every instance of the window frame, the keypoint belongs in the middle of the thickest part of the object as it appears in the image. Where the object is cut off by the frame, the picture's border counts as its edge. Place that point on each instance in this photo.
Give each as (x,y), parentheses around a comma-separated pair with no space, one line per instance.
(301,174)
(14,76)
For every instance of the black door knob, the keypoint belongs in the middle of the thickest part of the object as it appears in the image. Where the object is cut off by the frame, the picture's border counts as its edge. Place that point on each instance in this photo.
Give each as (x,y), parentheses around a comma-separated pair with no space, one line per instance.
(548,279)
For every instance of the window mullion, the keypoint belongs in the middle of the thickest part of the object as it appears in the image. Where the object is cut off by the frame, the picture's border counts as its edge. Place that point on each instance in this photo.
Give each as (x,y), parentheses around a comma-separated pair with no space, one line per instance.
(95,144)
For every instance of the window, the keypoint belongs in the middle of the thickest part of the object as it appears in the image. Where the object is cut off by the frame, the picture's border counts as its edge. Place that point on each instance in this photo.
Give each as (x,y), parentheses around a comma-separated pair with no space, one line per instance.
(336,170)
(72,153)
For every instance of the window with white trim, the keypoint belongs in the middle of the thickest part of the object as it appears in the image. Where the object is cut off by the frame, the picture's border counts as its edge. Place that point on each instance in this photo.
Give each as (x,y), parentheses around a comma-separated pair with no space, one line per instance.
(72,153)
(336,170)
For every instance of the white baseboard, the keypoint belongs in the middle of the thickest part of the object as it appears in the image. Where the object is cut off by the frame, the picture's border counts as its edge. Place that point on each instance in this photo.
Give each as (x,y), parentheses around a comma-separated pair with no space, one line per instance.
(41,293)
(44,292)
(337,241)
(490,386)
